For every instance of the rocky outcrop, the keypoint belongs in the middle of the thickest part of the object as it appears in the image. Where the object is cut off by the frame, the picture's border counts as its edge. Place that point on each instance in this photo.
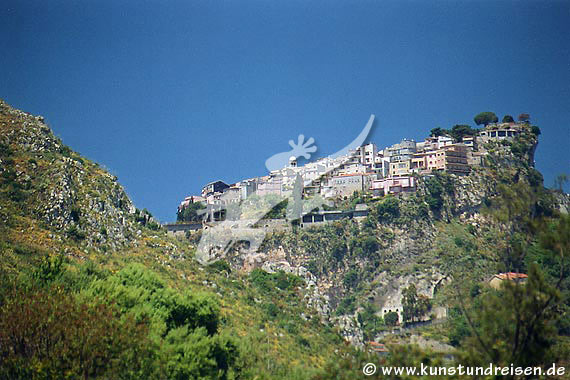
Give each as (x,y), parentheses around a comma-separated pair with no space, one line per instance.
(70,194)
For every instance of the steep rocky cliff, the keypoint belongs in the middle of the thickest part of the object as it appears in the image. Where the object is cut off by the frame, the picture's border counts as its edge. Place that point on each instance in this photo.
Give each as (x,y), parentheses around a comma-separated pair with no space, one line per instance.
(67,225)
(73,196)
(53,198)
(446,230)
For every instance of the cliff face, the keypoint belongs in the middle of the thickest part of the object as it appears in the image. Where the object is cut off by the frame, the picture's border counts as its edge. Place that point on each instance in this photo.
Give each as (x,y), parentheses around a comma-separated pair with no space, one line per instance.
(67,227)
(70,194)
(427,238)
(444,231)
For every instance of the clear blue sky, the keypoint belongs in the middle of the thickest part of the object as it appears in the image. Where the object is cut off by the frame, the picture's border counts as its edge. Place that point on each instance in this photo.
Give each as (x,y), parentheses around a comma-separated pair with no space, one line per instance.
(171,96)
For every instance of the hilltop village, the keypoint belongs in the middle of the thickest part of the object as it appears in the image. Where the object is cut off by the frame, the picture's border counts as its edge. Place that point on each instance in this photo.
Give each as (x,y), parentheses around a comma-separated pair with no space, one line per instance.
(368,169)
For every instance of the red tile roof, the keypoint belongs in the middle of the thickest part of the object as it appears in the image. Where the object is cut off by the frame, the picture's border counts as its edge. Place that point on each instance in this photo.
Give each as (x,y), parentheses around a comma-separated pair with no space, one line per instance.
(510,275)
(377,347)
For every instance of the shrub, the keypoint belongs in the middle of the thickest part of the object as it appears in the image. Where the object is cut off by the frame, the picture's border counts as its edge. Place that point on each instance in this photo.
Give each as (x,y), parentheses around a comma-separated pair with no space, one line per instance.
(391,318)
(267,282)
(44,334)
(350,278)
(338,251)
(139,291)
(75,233)
(346,306)
(434,197)
(49,269)
(388,210)
(153,225)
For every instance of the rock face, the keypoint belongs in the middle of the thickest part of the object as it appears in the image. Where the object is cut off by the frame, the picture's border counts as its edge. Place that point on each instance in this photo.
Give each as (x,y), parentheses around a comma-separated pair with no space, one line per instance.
(69,193)
(352,263)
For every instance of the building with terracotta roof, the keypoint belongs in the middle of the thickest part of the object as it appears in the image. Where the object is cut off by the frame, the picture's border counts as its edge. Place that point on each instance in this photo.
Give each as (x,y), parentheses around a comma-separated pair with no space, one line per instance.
(379,348)
(496,281)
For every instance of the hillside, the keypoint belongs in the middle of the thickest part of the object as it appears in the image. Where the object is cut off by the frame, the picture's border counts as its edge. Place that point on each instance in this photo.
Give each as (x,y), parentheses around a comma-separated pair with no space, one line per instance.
(92,287)
(72,242)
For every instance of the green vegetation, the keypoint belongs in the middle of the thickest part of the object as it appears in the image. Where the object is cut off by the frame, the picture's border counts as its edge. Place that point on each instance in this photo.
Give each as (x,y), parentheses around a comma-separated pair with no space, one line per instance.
(190,213)
(388,209)
(370,322)
(129,324)
(414,306)
(434,196)
(485,118)
(391,318)
(92,289)
(457,132)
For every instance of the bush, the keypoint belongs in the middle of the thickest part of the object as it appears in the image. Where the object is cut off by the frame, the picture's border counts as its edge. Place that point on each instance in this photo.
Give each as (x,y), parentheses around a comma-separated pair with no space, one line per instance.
(391,318)
(346,306)
(338,251)
(434,197)
(49,269)
(136,290)
(44,334)
(388,210)
(350,278)
(267,282)
(75,233)
(184,324)
(190,213)
(153,225)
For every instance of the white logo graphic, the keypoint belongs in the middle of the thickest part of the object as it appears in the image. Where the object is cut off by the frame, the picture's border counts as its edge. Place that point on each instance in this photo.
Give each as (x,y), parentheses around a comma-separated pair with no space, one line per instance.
(240,218)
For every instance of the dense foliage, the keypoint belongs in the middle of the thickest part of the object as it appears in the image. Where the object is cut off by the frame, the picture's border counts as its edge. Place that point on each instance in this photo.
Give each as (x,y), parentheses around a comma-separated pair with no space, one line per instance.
(485,118)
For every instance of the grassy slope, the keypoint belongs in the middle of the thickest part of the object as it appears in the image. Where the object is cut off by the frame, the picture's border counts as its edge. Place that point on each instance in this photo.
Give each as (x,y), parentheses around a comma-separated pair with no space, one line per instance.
(273,345)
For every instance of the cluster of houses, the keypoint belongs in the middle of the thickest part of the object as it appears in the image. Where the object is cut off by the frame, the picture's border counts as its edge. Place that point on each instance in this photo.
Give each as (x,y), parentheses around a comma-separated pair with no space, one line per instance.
(367,169)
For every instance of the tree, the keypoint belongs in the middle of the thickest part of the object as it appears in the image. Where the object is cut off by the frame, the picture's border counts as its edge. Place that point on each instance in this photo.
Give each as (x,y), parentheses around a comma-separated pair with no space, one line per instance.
(508,119)
(514,325)
(391,318)
(190,213)
(524,117)
(388,210)
(434,194)
(414,306)
(460,130)
(369,321)
(485,118)
(435,132)
(535,130)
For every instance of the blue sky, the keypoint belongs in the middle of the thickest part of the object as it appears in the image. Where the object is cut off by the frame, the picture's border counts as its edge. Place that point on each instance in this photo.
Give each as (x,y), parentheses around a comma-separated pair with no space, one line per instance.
(171,96)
